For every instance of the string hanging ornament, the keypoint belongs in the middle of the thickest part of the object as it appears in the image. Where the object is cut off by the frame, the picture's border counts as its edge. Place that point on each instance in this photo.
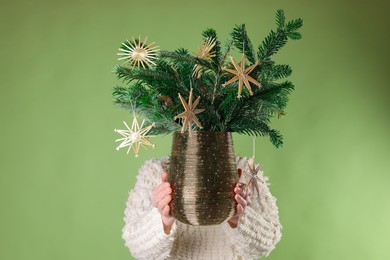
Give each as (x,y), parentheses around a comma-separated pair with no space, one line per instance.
(252,173)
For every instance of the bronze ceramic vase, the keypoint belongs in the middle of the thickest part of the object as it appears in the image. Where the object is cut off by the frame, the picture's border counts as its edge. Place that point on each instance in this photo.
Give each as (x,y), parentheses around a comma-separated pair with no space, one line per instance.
(202,174)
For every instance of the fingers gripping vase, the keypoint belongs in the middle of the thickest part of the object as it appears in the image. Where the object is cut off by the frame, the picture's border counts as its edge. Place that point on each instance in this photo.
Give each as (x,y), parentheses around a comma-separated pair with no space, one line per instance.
(202,174)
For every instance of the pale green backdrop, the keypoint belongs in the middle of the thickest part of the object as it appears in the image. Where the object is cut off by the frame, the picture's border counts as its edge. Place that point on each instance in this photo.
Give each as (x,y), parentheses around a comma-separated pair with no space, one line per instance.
(63,186)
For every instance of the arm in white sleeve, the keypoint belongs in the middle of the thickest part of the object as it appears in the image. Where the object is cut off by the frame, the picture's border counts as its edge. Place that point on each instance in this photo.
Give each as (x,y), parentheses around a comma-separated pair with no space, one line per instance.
(258,230)
(143,231)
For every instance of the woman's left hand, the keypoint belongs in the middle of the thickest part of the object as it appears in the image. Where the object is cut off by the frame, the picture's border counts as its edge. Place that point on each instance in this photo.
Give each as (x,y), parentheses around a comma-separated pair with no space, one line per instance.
(243,200)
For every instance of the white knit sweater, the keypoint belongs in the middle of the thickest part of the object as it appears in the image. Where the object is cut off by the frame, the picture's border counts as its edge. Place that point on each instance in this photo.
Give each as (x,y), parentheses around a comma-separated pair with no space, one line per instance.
(256,235)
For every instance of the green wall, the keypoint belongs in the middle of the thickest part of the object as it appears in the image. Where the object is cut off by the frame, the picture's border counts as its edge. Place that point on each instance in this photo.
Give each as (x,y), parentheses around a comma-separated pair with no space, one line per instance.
(63,186)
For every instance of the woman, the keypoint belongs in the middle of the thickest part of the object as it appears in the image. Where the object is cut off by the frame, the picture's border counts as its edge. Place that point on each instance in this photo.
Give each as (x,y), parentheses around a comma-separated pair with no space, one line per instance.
(151,233)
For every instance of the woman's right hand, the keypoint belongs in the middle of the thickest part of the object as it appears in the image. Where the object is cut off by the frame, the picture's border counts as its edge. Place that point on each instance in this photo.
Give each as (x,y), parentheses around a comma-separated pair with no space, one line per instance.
(161,197)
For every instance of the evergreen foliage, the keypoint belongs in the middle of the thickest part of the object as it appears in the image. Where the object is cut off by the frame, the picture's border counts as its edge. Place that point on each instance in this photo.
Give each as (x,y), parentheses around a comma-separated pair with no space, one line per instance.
(216,60)
(153,92)
(243,43)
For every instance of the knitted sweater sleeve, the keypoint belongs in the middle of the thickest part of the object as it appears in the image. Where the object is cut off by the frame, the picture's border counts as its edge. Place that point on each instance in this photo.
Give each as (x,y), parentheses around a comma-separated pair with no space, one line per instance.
(143,231)
(259,229)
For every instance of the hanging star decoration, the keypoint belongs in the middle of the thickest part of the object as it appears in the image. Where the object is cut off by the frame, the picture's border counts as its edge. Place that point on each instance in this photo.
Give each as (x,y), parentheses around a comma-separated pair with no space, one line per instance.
(135,137)
(137,53)
(253,177)
(242,75)
(204,52)
(189,114)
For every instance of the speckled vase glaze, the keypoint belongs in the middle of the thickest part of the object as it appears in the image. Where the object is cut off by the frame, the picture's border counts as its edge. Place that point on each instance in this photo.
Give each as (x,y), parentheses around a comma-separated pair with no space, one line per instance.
(202,174)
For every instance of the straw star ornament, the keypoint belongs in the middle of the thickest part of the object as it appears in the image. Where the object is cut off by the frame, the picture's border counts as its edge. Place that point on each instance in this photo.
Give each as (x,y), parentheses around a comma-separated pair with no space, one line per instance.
(189,114)
(253,177)
(137,53)
(204,52)
(242,75)
(135,137)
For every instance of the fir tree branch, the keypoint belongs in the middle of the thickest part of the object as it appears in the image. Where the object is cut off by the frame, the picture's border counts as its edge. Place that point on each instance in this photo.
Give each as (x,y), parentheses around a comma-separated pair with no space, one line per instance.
(271,45)
(274,72)
(294,25)
(136,95)
(216,60)
(146,75)
(292,28)
(276,94)
(187,58)
(242,42)
(280,19)
(148,106)
(294,35)
(277,39)
(228,46)
(276,138)
(260,128)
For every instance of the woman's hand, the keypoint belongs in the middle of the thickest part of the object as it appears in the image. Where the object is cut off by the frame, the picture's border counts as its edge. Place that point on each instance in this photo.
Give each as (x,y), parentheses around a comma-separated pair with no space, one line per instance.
(161,197)
(243,199)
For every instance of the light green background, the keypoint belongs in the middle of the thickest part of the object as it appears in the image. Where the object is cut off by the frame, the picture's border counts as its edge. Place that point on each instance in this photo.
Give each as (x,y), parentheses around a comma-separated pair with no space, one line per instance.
(63,186)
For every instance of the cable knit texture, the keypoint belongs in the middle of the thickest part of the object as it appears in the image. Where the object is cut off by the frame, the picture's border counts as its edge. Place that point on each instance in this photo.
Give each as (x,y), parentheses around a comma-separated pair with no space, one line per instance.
(256,235)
